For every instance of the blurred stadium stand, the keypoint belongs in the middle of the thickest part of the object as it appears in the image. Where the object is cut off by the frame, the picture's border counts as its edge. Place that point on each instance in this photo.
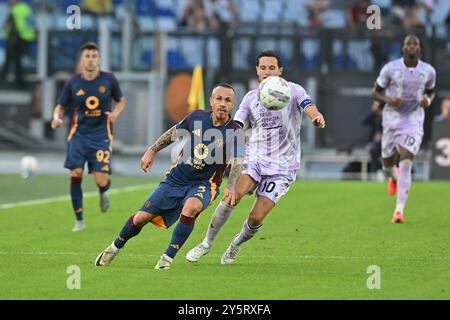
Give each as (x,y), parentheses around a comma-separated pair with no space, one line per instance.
(336,65)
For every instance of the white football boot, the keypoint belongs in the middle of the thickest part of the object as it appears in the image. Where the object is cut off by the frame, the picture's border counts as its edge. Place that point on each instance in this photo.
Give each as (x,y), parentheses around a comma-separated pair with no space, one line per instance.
(164,262)
(230,254)
(107,255)
(79,226)
(198,251)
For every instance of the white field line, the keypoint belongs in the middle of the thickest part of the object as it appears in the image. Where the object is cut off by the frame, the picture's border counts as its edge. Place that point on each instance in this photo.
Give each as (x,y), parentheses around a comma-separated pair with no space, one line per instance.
(67,197)
(303,257)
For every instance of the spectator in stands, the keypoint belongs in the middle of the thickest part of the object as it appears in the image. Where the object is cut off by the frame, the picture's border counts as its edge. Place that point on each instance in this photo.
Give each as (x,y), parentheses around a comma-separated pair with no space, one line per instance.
(222,11)
(428,6)
(357,16)
(445,111)
(407,14)
(19,33)
(315,8)
(195,17)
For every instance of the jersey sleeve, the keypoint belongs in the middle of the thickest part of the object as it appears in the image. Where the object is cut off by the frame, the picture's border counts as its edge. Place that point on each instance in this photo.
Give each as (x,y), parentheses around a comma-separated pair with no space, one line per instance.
(116,92)
(384,77)
(301,97)
(65,98)
(431,82)
(243,112)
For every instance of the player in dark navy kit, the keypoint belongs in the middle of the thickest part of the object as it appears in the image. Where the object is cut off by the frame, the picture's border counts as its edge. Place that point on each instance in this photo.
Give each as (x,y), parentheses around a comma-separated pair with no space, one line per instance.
(90,95)
(212,141)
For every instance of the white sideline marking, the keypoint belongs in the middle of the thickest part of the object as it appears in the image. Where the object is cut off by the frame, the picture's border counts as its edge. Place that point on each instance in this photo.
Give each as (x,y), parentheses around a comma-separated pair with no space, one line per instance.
(66,198)
(43,253)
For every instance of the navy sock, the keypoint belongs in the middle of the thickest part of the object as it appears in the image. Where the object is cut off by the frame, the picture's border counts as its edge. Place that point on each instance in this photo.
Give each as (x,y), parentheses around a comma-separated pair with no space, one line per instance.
(105,188)
(180,235)
(128,231)
(76,193)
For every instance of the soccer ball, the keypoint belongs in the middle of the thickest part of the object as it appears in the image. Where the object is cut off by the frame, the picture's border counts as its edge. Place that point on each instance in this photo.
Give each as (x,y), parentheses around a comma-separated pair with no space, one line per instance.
(28,165)
(274,93)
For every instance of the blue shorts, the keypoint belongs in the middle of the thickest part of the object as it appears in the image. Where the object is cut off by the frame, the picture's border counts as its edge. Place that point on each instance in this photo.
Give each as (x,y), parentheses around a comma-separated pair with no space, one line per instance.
(167,200)
(97,154)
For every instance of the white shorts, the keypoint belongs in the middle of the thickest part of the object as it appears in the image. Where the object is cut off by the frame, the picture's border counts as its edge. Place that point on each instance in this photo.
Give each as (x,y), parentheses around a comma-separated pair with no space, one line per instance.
(393,139)
(273,186)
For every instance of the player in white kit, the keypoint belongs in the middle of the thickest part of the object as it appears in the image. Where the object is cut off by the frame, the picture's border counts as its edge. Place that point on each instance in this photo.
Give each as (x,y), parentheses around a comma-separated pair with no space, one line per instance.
(408,84)
(271,162)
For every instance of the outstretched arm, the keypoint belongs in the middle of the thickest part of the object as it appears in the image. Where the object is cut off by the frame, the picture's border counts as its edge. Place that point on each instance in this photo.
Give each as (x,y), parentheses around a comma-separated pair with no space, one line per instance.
(315,116)
(163,141)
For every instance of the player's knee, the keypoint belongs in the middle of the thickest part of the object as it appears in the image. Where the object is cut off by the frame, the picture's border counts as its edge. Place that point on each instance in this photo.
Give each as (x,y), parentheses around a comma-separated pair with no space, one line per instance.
(76,173)
(140,219)
(192,209)
(102,181)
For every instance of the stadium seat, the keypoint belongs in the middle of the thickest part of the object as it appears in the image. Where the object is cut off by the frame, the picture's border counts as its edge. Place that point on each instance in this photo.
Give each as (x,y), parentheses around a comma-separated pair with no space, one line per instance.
(3,14)
(309,54)
(334,18)
(146,23)
(64,4)
(294,11)
(382,3)
(189,47)
(176,60)
(359,51)
(250,11)
(145,8)
(166,19)
(395,51)
(213,55)
(179,7)
(272,11)
(441,9)
(241,52)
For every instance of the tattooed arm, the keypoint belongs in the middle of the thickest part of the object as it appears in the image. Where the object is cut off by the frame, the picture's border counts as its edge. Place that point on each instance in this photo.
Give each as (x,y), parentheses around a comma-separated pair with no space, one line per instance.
(235,172)
(166,139)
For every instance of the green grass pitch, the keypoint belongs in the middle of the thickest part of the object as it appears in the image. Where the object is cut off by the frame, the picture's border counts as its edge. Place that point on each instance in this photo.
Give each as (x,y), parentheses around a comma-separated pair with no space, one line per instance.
(318,243)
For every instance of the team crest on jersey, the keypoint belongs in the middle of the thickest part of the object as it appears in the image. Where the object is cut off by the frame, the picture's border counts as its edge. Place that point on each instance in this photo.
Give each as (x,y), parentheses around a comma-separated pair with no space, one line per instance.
(422,75)
(102,89)
(80,93)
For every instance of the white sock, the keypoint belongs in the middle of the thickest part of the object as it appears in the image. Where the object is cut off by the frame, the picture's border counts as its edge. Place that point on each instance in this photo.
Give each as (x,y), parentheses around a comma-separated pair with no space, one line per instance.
(114,247)
(400,207)
(220,216)
(246,233)
(404,183)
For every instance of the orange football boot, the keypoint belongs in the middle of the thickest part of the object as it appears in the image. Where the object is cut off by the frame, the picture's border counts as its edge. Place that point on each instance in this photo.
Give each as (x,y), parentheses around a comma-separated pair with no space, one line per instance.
(398,217)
